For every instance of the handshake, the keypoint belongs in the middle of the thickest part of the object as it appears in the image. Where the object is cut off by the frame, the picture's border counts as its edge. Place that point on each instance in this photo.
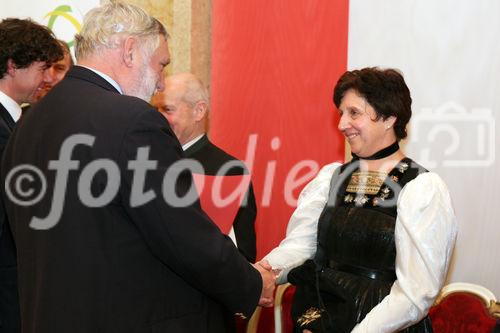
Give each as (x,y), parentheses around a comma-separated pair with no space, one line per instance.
(268,282)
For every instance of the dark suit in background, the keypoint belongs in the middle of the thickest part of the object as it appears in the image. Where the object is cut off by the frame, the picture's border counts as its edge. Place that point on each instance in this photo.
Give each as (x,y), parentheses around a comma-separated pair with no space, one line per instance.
(9,303)
(496,329)
(212,158)
(117,268)
(27,50)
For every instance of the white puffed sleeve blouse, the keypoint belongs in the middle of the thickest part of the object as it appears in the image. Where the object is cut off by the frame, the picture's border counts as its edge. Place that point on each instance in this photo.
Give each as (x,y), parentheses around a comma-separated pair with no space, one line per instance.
(425,235)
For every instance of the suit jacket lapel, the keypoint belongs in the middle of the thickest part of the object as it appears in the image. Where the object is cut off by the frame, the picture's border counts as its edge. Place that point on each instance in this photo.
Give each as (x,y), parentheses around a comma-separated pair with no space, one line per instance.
(201,143)
(7,118)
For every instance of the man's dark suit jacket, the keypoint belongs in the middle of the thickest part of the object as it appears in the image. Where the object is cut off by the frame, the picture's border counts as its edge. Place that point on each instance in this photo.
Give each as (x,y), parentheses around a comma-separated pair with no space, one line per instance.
(212,158)
(9,302)
(117,268)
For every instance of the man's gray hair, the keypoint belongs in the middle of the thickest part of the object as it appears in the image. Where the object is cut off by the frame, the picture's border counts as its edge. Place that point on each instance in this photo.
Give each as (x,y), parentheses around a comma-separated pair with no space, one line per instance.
(107,26)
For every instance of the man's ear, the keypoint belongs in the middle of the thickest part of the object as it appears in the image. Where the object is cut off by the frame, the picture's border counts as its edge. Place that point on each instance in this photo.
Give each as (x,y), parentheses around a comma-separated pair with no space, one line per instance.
(129,51)
(11,68)
(200,110)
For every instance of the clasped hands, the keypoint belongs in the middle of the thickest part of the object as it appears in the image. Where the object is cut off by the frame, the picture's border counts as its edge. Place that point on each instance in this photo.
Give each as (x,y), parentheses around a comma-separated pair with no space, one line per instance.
(268,282)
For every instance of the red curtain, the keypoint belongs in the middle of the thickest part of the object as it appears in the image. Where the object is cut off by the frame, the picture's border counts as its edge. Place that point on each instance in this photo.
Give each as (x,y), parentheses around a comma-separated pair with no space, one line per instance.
(274,66)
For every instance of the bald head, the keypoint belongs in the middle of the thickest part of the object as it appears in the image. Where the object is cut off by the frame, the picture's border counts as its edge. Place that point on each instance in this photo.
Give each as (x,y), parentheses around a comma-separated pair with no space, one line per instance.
(184,102)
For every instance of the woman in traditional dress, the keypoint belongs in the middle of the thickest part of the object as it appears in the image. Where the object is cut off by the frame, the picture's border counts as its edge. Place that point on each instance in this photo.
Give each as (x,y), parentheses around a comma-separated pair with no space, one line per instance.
(370,242)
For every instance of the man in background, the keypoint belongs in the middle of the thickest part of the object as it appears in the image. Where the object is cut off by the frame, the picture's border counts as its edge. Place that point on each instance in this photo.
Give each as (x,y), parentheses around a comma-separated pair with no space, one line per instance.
(57,71)
(105,249)
(185,104)
(27,50)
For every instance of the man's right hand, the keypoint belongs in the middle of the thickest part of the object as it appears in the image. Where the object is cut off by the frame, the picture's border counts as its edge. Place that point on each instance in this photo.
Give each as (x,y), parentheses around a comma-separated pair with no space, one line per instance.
(268,283)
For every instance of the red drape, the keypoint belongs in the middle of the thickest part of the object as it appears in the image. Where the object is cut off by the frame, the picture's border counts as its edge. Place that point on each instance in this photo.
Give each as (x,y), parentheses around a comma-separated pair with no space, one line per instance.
(274,66)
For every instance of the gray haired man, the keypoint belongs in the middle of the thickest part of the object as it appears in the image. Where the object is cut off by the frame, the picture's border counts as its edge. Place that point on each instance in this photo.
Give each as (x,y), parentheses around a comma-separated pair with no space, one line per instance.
(131,261)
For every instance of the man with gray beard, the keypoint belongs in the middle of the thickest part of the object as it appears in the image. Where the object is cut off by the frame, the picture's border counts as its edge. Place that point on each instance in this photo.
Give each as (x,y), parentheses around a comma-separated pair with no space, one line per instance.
(131,261)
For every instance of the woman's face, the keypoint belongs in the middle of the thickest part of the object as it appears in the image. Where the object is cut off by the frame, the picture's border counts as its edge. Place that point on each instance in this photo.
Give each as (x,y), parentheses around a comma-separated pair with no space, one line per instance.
(357,122)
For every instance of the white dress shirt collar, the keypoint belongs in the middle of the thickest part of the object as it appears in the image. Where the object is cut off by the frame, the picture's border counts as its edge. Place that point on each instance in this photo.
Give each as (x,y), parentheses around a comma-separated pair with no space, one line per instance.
(107,78)
(192,142)
(12,107)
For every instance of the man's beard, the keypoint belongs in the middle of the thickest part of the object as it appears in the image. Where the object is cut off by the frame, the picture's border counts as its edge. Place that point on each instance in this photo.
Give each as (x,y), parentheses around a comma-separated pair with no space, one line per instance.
(145,84)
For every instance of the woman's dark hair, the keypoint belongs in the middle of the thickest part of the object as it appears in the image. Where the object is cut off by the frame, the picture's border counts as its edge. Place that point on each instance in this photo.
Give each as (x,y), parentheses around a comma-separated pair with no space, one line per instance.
(24,42)
(384,89)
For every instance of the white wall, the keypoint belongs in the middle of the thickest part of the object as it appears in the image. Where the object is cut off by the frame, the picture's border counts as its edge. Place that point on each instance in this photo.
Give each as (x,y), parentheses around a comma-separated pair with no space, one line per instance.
(449,52)
(67,21)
